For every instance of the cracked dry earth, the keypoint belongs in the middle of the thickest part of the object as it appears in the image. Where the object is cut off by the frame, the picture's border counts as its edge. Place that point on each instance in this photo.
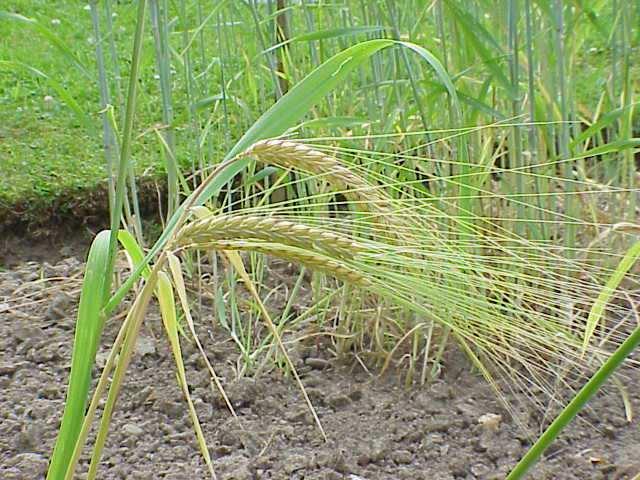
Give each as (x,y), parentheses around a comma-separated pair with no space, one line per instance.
(376,428)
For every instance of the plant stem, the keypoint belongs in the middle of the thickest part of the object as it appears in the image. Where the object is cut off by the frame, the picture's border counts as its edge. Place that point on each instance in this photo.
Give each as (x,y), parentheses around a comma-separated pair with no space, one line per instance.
(578,402)
(160,30)
(109,140)
(127,134)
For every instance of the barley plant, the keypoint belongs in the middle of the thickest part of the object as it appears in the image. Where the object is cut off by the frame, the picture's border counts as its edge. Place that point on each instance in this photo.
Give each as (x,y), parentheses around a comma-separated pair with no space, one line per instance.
(455,175)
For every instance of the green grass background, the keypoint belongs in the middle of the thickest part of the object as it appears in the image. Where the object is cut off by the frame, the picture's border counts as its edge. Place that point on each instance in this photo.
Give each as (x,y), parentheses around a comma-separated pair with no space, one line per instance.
(48,157)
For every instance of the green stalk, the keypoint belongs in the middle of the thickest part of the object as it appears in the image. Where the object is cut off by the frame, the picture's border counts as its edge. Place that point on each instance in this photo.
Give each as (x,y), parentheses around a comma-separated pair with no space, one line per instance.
(598,378)
(407,64)
(533,135)
(628,170)
(574,407)
(113,52)
(615,11)
(261,42)
(563,140)
(282,36)
(197,160)
(308,16)
(131,206)
(223,48)
(109,140)
(125,152)
(442,35)
(161,41)
(516,148)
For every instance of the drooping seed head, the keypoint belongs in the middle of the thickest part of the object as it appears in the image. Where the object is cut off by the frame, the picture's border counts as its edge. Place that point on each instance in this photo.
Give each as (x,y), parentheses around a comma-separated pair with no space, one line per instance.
(294,155)
(313,260)
(269,229)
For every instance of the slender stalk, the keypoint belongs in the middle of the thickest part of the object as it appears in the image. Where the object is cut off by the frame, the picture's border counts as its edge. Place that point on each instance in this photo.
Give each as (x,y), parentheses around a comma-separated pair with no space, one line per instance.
(158,10)
(534,156)
(577,403)
(197,160)
(442,35)
(626,129)
(412,80)
(109,138)
(223,47)
(563,139)
(308,16)
(113,53)
(261,42)
(127,136)
(516,150)
(282,36)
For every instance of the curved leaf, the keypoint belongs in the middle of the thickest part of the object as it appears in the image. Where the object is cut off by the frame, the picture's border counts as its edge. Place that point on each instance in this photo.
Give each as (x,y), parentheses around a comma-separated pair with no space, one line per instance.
(302,97)
(326,34)
(630,258)
(88,330)
(284,114)
(130,244)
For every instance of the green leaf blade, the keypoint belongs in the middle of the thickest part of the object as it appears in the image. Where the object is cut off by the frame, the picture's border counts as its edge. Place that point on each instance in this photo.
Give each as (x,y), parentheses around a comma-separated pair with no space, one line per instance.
(87,335)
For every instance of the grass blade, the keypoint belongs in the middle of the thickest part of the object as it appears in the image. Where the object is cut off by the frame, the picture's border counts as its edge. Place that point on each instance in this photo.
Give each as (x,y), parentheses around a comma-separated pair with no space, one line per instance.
(598,378)
(165,296)
(578,402)
(88,329)
(595,314)
(132,248)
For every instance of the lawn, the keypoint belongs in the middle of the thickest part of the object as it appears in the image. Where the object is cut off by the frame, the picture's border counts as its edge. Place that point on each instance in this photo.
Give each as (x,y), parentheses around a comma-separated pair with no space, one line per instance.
(445,193)
(52,151)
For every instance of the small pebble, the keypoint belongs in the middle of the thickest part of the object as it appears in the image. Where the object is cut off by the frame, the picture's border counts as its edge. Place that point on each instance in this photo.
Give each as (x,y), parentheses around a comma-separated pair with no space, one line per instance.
(299,416)
(490,421)
(402,457)
(338,400)
(480,469)
(438,425)
(132,429)
(7,368)
(356,395)
(145,346)
(30,465)
(317,363)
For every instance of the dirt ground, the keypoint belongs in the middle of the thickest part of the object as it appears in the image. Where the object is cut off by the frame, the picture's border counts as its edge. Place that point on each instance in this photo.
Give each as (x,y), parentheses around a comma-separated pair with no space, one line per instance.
(376,428)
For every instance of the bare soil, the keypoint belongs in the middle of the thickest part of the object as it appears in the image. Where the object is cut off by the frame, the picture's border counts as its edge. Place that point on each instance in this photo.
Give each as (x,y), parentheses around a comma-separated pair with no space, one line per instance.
(376,428)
